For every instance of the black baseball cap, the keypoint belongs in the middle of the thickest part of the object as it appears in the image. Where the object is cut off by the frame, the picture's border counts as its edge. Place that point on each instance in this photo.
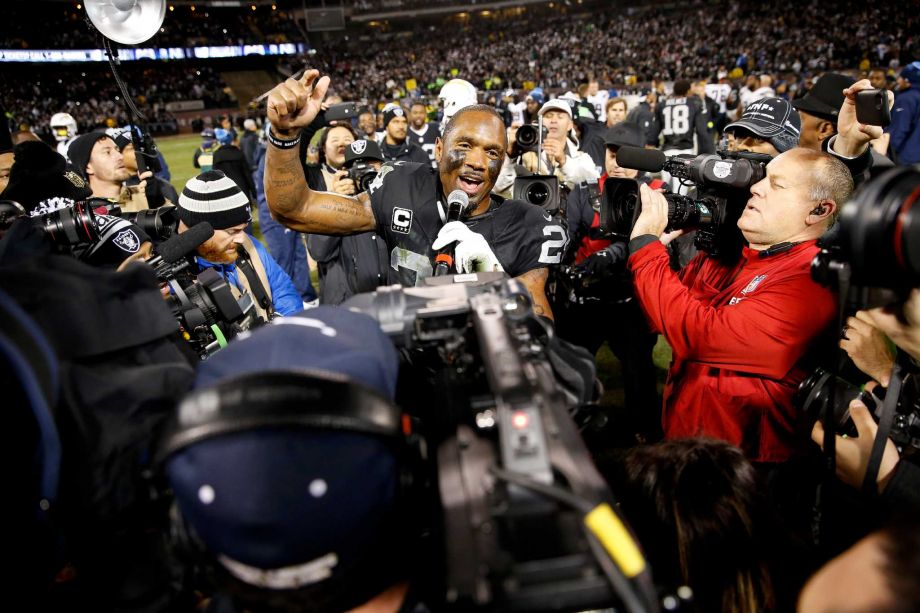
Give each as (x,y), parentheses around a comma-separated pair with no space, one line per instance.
(772,119)
(825,97)
(362,149)
(624,134)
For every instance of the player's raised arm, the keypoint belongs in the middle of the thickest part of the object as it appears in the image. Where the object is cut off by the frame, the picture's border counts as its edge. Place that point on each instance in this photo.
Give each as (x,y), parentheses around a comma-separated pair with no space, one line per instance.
(292,105)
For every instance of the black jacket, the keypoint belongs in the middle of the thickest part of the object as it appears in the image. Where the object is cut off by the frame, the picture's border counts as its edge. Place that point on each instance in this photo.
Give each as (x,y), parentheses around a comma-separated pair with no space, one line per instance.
(230,161)
(348,265)
(407,152)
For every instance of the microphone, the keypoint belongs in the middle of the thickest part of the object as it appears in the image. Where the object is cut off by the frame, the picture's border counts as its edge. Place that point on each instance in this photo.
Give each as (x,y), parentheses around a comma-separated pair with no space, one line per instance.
(457,203)
(638,158)
(180,245)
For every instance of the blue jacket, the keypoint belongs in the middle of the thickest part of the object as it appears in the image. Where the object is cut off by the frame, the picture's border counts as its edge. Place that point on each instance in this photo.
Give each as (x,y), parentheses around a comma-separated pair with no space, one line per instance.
(285,297)
(905,125)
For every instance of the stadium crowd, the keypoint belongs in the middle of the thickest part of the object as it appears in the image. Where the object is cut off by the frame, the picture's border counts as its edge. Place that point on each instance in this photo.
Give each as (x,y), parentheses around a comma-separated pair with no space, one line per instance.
(198,427)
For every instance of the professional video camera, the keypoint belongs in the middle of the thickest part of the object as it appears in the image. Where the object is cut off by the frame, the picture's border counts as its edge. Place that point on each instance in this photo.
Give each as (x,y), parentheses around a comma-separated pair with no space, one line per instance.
(159,223)
(204,305)
(363,174)
(517,486)
(817,391)
(873,254)
(723,183)
(66,227)
(538,189)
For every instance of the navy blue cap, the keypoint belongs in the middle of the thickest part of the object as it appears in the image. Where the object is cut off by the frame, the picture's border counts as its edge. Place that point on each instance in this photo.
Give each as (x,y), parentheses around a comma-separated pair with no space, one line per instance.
(281,506)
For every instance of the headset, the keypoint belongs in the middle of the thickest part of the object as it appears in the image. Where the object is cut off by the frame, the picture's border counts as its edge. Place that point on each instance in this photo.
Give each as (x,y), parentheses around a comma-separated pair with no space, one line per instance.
(310,400)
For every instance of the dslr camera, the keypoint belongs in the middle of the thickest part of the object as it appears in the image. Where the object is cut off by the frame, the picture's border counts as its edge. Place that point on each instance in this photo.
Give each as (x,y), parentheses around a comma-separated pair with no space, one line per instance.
(68,226)
(722,184)
(363,173)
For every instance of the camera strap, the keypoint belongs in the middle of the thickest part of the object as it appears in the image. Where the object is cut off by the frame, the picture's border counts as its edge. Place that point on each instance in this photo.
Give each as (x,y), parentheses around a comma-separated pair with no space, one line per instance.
(886,419)
(244,265)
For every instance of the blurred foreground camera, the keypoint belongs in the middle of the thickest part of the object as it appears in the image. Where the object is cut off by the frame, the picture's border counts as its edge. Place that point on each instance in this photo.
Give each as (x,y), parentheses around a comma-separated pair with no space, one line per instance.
(822,389)
(875,249)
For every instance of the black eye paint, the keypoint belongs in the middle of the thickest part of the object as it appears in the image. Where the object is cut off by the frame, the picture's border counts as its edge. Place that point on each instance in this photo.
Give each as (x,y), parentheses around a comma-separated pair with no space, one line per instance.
(495,167)
(455,159)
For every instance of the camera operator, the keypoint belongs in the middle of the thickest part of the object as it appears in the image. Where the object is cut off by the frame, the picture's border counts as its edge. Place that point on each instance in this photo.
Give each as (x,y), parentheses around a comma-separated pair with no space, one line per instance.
(396,144)
(898,480)
(349,265)
(560,155)
(402,204)
(740,333)
(311,515)
(96,158)
(214,198)
(614,317)
(122,138)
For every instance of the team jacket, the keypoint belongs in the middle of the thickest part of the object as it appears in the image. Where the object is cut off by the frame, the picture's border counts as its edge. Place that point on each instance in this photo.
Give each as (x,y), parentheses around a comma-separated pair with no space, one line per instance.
(740,336)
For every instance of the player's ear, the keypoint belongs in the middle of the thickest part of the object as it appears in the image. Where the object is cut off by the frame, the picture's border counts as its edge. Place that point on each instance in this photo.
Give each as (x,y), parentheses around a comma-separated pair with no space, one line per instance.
(438,147)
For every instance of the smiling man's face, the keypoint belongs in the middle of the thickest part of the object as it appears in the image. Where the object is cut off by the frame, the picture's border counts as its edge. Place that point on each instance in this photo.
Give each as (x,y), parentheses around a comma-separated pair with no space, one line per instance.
(470,155)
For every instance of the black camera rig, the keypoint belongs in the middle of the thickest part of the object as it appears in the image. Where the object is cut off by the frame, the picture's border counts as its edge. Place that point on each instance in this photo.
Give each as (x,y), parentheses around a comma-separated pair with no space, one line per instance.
(722,187)
(528,521)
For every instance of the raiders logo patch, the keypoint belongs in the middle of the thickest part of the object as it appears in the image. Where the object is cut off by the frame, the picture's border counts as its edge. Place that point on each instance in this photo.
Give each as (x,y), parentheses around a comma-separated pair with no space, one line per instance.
(402,220)
(359,146)
(127,240)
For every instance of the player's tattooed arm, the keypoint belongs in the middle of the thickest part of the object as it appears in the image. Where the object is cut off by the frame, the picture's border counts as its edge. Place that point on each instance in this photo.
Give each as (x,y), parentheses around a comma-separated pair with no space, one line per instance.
(535,282)
(300,208)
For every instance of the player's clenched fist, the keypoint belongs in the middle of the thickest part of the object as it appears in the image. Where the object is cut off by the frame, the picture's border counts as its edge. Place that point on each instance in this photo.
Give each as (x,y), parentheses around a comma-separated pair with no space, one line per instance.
(296,102)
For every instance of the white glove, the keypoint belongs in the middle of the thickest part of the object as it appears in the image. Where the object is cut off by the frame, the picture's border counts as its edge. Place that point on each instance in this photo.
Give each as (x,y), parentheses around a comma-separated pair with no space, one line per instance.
(472,253)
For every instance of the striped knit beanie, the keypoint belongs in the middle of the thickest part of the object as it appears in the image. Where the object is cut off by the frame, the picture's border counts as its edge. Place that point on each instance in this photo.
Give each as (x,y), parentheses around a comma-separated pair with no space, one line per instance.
(213,197)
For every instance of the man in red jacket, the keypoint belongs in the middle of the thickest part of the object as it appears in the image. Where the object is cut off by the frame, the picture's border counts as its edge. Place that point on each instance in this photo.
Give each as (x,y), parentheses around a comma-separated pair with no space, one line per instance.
(740,333)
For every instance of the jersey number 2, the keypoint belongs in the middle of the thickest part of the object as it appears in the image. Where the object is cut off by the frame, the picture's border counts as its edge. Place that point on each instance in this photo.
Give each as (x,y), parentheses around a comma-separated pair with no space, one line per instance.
(553,247)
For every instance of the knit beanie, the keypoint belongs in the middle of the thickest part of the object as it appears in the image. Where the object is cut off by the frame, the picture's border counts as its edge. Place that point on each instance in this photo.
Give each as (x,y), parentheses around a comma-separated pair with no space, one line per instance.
(40,173)
(392,114)
(213,197)
(81,149)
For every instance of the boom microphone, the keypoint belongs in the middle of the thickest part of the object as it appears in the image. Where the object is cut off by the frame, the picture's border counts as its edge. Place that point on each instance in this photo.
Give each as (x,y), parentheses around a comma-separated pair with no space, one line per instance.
(638,158)
(457,203)
(180,245)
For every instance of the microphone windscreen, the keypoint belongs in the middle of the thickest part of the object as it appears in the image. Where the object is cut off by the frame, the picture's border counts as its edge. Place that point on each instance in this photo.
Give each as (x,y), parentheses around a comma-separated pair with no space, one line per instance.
(180,245)
(458,198)
(638,158)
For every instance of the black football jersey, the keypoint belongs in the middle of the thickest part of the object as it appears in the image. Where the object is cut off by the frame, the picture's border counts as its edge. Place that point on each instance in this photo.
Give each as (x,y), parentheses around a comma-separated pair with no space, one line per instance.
(678,119)
(409,206)
(426,140)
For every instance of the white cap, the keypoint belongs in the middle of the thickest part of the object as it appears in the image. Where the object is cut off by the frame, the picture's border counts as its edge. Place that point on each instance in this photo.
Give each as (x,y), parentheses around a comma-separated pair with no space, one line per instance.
(556,105)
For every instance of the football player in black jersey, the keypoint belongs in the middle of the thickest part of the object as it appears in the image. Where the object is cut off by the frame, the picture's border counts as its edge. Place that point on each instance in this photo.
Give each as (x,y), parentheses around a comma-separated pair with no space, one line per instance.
(423,133)
(406,203)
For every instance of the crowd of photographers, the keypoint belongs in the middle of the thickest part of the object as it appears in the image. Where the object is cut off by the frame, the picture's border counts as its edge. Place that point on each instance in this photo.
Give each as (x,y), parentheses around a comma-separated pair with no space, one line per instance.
(198,433)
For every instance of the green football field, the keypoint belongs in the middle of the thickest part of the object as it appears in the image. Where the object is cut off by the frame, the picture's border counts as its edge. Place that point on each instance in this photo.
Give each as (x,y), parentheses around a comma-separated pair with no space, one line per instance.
(179,151)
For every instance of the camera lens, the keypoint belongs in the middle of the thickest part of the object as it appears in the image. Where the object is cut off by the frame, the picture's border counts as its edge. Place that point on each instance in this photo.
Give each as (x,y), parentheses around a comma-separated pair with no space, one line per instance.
(880,230)
(72,225)
(526,136)
(538,193)
(365,181)
(815,391)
